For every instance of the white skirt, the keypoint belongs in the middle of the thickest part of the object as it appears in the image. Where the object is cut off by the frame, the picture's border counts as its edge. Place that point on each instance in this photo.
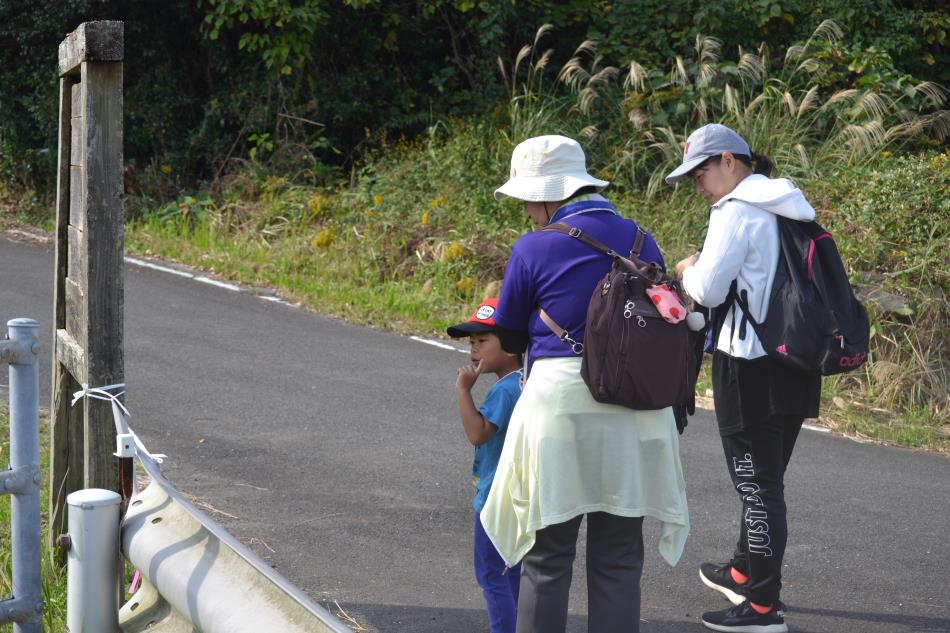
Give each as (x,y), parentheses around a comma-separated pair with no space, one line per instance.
(566,454)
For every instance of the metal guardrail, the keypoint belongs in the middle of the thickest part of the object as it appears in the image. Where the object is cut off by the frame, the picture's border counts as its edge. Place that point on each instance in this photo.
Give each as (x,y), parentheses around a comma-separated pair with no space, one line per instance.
(198,578)
(22,480)
(199,575)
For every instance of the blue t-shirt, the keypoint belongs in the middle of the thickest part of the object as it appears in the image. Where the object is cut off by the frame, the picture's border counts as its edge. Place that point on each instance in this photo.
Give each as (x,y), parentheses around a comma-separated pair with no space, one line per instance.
(558,273)
(497,407)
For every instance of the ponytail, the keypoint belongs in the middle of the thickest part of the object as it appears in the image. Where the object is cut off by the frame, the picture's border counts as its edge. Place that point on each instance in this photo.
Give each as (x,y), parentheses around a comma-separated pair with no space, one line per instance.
(763,164)
(758,163)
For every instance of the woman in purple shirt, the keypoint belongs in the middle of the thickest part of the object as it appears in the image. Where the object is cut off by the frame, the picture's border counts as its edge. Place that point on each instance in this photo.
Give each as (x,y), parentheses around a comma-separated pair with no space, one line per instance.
(566,455)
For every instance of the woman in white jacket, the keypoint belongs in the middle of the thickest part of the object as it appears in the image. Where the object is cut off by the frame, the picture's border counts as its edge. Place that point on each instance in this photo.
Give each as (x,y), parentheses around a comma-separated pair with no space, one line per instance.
(760,404)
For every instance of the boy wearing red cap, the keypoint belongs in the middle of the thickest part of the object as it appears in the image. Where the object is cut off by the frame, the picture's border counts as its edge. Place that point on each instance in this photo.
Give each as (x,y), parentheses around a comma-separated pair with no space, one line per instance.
(485,428)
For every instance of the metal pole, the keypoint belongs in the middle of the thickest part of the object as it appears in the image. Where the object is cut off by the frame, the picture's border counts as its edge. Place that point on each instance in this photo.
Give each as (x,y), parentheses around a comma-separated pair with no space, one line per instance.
(92,573)
(24,457)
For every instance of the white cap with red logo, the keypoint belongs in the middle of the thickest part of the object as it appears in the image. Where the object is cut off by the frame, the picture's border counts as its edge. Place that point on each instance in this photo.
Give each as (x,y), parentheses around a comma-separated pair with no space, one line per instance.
(706,142)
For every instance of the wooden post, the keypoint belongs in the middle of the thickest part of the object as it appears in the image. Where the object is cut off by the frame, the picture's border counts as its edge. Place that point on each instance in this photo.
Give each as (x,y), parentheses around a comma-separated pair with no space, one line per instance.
(88,294)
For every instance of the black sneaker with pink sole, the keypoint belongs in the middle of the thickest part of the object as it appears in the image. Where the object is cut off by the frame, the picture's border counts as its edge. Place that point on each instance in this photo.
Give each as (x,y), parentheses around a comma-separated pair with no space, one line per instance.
(742,618)
(719,578)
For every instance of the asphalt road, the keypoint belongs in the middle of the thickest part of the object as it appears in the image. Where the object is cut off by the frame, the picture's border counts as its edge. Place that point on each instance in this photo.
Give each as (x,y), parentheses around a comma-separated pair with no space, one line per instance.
(335,452)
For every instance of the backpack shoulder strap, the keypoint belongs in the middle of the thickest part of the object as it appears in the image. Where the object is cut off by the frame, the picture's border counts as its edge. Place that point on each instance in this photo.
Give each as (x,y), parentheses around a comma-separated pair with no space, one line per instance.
(551,323)
(576,233)
(573,231)
(741,300)
(561,333)
(638,243)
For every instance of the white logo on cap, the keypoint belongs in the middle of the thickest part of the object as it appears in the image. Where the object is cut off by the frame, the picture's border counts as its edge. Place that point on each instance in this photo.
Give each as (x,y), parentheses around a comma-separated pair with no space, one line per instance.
(484,313)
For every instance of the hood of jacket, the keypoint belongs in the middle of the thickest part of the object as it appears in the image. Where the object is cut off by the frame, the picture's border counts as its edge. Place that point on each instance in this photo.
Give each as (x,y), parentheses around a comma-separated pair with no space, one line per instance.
(776,195)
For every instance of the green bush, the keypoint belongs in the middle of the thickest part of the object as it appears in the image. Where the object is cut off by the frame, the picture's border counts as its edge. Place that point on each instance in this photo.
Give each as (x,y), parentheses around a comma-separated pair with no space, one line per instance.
(204,79)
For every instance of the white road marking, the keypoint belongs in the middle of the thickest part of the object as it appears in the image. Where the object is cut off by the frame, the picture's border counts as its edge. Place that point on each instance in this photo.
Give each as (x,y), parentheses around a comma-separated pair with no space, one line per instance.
(219,284)
(271,298)
(164,269)
(276,300)
(440,344)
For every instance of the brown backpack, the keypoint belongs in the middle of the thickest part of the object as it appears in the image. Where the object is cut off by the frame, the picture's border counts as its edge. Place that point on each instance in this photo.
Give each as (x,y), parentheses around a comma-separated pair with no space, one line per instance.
(630,355)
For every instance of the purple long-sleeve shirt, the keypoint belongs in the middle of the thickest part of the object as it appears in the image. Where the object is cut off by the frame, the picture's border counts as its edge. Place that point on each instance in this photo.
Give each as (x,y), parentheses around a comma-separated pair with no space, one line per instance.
(557,272)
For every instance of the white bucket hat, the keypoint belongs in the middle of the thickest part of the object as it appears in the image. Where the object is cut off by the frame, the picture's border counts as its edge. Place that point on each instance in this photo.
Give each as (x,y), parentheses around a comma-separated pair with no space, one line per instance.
(708,141)
(547,169)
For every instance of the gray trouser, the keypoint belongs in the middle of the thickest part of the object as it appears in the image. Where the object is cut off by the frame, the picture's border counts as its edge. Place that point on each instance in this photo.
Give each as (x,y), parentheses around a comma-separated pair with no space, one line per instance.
(614,566)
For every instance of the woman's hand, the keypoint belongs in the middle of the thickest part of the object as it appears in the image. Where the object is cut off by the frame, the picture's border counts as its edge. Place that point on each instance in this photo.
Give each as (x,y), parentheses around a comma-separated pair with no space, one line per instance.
(686,263)
(467,375)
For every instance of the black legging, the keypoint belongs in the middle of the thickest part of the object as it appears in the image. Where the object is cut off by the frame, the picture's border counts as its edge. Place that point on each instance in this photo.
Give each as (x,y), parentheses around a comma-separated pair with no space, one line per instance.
(757,459)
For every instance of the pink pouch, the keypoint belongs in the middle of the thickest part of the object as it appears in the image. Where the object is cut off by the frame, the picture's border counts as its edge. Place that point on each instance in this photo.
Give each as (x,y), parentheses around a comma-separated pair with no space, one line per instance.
(667,303)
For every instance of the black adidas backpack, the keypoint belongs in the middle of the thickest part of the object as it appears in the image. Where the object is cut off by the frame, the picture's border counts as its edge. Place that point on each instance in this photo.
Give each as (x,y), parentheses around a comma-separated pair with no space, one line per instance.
(814,322)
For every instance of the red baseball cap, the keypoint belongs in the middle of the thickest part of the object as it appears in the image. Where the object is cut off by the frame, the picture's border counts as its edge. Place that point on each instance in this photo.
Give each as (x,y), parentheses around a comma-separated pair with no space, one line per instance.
(482,321)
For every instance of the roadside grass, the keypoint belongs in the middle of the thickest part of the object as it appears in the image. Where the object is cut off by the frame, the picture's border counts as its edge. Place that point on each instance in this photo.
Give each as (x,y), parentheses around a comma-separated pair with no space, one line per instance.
(54,576)
(341,279)
(356,261)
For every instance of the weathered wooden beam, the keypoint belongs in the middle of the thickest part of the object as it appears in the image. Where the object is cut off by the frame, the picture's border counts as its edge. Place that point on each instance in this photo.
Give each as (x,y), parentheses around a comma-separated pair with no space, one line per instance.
(77,210)
(66,454)
(62,201)
(89,247)
(92,42)
(59,425)
(103,235)
(74,259)
(76,100)
(75,316)
(70,354)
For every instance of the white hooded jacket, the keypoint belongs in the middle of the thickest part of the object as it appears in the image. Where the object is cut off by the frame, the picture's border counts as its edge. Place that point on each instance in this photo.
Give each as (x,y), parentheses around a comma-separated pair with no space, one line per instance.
(742,243)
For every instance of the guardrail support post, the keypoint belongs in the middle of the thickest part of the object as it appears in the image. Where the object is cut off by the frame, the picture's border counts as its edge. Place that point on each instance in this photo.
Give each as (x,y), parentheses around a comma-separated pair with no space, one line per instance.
(25,609)
(92,594)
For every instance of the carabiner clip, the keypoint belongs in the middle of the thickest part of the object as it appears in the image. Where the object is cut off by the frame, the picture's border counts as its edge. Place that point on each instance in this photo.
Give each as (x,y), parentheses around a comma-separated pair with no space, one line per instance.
(577,348)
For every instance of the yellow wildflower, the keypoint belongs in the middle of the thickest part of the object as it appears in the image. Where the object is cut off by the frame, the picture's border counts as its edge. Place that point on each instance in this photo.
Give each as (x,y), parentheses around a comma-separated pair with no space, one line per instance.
(465,285)
(454,251)
(377,199)
(166,169)
(324,238)
(315,204)
(425,218)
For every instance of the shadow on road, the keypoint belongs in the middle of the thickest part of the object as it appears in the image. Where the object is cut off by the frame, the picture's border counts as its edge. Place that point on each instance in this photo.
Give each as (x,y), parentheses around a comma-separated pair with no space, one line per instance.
(908,622)
(384,618)
(417,619)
